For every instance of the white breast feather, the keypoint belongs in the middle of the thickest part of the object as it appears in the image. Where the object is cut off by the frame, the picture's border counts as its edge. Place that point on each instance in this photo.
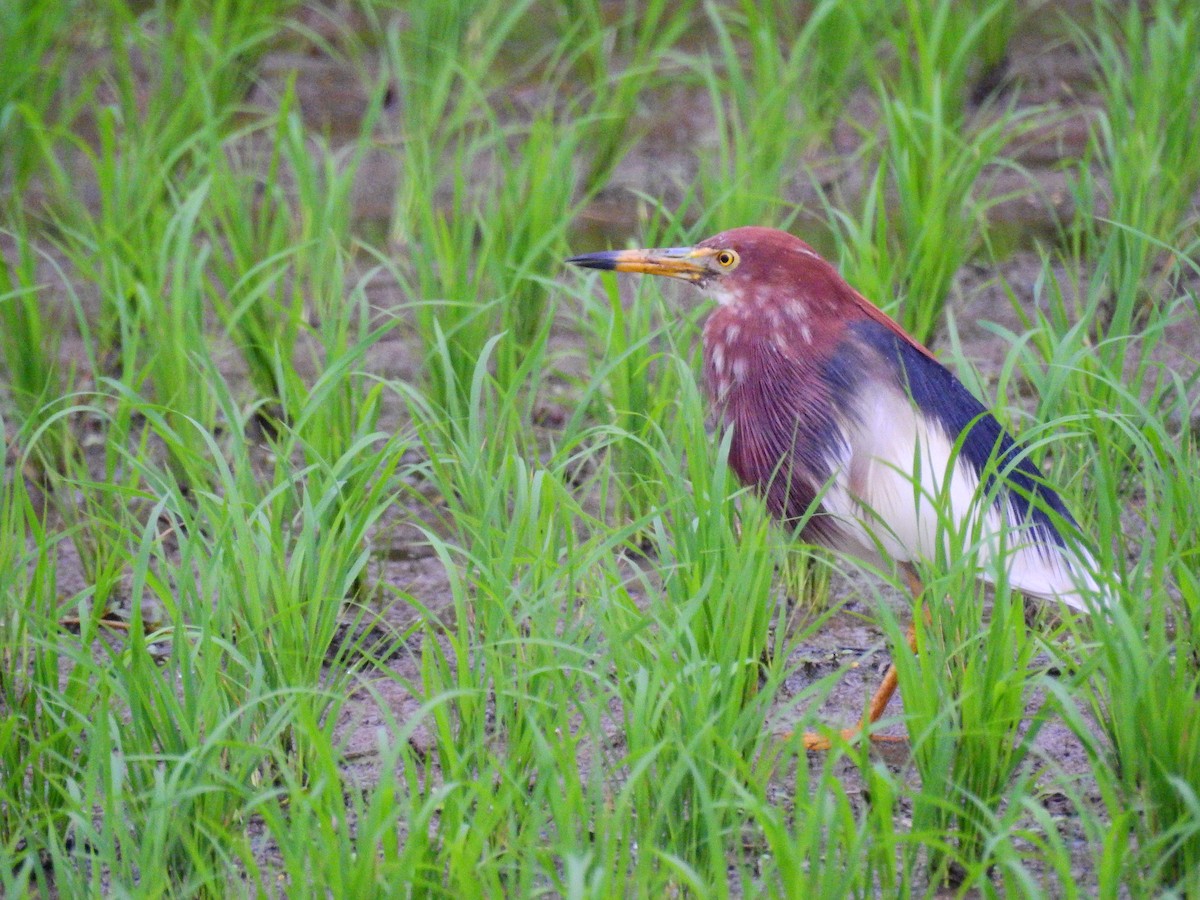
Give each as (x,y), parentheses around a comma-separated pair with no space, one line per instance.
(877,497)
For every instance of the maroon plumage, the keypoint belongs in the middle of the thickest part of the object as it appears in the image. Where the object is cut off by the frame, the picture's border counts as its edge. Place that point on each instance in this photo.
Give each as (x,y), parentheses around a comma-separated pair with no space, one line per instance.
(854,432)
(766,364)
(840,416)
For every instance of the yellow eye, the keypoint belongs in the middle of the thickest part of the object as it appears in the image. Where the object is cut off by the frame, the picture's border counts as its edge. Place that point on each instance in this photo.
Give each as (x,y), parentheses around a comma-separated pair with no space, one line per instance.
(727,259)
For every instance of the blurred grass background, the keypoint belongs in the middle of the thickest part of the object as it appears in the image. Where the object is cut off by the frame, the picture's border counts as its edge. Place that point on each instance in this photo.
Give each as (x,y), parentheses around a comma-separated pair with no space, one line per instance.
(349,547)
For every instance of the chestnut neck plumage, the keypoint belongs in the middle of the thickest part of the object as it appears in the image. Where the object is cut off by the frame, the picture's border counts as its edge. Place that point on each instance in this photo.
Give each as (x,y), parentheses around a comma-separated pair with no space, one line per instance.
(771,363)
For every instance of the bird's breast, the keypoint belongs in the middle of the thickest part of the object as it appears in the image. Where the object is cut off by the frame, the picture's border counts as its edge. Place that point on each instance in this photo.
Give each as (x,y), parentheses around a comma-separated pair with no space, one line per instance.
(787,411)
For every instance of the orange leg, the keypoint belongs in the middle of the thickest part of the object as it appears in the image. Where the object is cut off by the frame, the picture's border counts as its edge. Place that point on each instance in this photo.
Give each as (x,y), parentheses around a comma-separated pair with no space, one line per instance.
(883,694)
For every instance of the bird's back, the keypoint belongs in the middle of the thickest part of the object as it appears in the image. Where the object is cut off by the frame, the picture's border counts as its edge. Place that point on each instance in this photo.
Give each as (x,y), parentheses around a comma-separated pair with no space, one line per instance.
(882,448)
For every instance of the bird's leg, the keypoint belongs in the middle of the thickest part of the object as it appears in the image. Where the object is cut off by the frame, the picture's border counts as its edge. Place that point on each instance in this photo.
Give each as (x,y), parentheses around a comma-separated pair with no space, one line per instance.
(887,687)
(879,701)
(883,694)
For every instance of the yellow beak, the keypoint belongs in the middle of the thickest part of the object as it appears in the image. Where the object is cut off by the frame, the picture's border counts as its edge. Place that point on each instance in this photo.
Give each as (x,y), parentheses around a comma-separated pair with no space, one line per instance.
(688,263)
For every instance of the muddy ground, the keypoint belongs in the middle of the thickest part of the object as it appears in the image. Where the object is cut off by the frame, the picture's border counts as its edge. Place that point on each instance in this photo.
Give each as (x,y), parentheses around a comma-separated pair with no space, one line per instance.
(1044,70)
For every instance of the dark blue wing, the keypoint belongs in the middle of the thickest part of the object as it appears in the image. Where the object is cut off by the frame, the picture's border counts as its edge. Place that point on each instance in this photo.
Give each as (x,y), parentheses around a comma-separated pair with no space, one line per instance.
(985,445)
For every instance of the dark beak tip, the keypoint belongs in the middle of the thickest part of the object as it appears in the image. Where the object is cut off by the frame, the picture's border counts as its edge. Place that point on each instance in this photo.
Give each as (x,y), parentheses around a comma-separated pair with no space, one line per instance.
(593,261)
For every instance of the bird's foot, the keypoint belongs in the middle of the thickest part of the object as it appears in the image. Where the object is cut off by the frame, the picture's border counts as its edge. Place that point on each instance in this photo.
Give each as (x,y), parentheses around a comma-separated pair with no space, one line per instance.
(821,742)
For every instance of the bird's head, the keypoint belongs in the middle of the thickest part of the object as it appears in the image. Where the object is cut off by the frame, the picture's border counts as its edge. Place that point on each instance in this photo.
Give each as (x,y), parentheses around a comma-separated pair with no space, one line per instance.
(771,286)
(743,264)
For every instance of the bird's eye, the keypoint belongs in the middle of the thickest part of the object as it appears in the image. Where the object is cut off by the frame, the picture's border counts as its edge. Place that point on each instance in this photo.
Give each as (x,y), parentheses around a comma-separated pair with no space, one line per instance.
(727,259)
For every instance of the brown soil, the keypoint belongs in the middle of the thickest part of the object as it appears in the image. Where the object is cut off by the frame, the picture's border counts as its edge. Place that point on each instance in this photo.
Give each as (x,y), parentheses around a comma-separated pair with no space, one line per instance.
(1048,72)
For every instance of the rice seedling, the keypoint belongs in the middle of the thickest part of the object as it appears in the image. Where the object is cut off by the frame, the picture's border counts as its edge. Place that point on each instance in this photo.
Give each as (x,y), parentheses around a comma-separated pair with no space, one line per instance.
(1143,141)
(936,48)
(29,345)
(771,107)
(617,64)
(248,224)
(35,745)
(508,626)
(906,256)
(633,387)
(34,46)
(151,140)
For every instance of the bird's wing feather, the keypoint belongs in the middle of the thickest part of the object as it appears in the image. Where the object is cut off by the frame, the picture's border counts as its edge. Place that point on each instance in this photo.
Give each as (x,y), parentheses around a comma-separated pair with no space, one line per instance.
(787,442)
(877,315)
(928,449)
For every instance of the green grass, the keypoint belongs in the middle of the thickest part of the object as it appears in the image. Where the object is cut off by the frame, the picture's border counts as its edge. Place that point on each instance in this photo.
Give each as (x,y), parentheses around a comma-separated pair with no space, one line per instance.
(1144,143)
(345,560)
